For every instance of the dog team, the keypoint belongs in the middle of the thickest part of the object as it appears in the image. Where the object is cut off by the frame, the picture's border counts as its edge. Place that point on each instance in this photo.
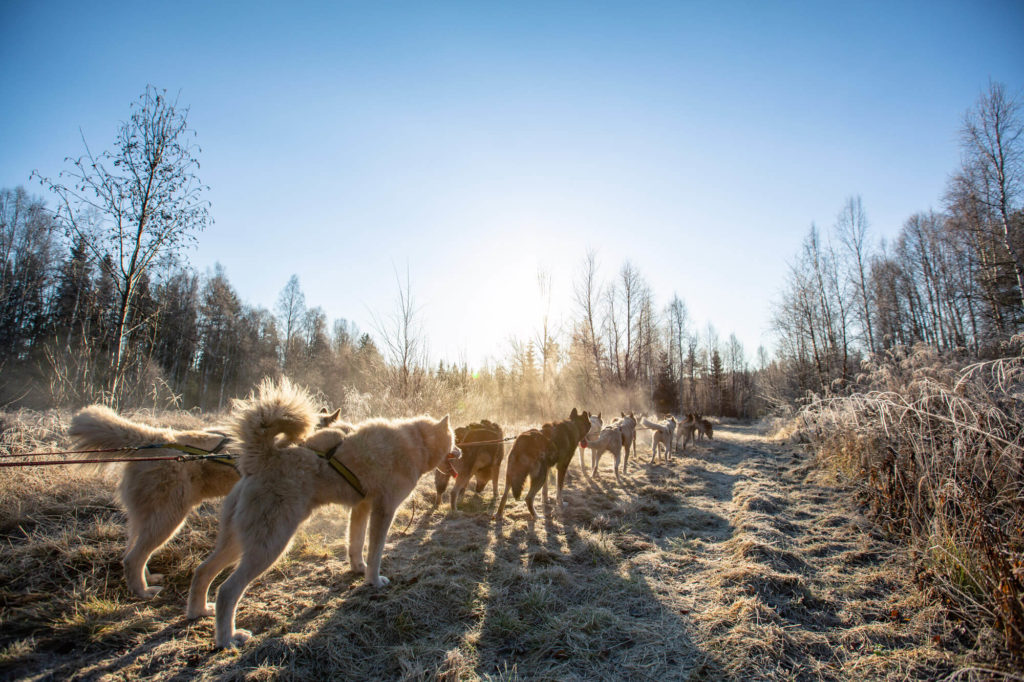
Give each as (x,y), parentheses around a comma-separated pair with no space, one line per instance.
(277,459)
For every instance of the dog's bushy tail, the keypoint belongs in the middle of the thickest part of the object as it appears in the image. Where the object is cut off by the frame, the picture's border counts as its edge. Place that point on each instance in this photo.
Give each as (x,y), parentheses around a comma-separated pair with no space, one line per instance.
(98,427)
(275,409)
(652,425)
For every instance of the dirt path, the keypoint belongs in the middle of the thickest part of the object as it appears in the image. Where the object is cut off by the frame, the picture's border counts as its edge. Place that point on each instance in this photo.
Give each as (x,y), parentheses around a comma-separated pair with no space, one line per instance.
(728,562)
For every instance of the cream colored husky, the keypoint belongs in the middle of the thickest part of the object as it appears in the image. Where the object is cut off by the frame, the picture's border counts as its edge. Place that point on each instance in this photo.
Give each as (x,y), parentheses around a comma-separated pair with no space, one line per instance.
(371,470)
(609,440)
(663,432)
(158,495)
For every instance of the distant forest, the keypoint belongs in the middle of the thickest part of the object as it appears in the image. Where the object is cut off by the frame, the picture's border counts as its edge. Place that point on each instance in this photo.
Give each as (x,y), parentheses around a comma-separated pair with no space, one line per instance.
(97,303)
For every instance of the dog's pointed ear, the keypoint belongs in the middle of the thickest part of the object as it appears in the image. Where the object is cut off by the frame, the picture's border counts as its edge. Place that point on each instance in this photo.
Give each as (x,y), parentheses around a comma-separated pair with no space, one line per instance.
(573,414)
(323,410)
(598,415)
(329,418)
(443,424)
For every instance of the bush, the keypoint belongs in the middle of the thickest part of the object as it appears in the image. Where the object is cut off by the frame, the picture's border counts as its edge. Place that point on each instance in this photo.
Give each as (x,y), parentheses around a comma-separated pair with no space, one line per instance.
(938,450)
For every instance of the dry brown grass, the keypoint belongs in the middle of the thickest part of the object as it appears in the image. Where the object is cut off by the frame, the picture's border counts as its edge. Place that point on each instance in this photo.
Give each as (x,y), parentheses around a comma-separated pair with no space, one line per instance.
(725,563)
(937,451)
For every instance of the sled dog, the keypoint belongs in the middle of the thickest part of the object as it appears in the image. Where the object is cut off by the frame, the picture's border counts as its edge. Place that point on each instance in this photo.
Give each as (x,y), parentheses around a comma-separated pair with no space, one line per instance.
(627,427)
(370,470)
(481,461)
(158,495)
(533,454)
(595,429)
(662,436)
(609,440)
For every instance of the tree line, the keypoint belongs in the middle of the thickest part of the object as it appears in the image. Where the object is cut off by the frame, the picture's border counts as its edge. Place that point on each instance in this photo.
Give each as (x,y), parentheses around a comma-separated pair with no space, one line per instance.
(951,278)
(189,340)
(96,302)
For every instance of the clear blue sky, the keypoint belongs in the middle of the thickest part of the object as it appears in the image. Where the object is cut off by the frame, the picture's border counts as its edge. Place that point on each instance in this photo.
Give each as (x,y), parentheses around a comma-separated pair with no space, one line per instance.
(477,142)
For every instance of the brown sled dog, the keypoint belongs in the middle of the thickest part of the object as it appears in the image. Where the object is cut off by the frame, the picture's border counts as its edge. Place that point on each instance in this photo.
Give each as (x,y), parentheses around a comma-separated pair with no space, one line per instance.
(566,435)
(482,461)
(370,470)
(158,496)
(552,445)
(533,454)
(705,428)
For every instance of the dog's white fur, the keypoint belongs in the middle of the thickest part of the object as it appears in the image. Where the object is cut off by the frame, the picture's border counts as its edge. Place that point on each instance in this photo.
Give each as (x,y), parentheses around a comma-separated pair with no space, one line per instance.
(281,486)
(595,430)
(157,495)
(662,436)
(627,427)
(609,440)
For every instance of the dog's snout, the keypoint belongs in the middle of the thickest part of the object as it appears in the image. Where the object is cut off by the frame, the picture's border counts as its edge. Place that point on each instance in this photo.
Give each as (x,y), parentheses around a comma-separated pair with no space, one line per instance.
(456,453)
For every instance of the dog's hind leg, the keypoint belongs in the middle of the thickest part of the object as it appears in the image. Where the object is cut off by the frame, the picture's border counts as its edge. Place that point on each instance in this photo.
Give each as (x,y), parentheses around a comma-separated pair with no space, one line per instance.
(226,552)
(259,554)
(562,471)
(504,499)
(357,534)
(495,472)
(149,533)
(380,523)
(536,483)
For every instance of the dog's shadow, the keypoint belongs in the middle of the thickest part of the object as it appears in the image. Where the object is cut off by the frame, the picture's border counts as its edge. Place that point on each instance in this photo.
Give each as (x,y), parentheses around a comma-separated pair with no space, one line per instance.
(470,597)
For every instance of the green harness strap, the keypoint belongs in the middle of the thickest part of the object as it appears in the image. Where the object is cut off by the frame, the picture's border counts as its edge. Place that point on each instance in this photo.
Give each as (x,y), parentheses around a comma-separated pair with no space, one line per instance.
(345,472)
(210,455)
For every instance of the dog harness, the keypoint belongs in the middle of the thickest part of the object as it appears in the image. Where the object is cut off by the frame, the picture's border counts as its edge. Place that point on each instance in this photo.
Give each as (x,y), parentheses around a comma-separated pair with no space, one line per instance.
(209,455)
(345,472)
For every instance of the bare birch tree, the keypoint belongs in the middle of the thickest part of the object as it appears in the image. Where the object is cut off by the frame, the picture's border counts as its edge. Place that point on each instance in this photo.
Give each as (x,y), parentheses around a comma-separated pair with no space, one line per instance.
(135,204)
(852,229)
(993,136)
(402,336)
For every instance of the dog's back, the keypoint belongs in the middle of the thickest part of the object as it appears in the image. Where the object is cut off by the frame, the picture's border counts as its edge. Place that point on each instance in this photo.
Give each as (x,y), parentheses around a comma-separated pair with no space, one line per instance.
(99,427)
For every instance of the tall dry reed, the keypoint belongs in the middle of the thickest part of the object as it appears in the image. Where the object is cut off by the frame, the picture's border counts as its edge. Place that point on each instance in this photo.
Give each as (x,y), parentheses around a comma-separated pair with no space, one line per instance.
(938,450)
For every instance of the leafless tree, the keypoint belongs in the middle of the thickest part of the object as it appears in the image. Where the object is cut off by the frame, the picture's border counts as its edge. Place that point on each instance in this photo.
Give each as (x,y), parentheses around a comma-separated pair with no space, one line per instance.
(402,336)
(587,292)
(291,306)
(993,137)
(852,230)
(135,204)
(545,337)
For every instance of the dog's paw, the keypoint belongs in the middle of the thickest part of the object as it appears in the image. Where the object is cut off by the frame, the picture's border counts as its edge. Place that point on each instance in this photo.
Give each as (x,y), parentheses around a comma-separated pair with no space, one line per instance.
(381,581)
(359,568)
(238,638)
(149,592)
(193,614)
(154,578)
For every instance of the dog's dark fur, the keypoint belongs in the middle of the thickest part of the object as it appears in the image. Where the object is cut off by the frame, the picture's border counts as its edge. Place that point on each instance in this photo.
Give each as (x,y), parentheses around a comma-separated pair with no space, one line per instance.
(566,435)
(533,454)
(481,461)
